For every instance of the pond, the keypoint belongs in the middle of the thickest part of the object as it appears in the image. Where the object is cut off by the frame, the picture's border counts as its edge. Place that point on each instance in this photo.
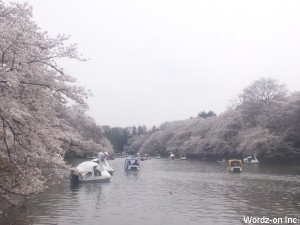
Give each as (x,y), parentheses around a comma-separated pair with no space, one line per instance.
(169,192)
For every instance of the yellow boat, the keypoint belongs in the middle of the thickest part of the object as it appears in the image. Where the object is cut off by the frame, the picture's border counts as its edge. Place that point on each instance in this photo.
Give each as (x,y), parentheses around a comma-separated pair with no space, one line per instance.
(235,165)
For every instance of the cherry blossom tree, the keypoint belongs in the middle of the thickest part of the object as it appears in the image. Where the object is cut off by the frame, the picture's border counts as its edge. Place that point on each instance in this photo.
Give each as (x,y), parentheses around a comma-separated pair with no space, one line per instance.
(89,139)
(271,131)
(33,91)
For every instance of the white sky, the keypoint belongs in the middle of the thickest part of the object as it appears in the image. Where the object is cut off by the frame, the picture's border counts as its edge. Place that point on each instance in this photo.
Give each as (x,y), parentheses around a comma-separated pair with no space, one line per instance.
(153,61)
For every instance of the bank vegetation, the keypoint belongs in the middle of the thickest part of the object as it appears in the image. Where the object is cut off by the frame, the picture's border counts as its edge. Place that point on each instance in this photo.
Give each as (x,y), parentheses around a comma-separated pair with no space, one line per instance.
(42,110)
(264,119)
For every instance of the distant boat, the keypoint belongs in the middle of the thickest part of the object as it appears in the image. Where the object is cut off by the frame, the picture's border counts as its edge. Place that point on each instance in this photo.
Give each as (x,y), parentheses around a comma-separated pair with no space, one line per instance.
(235,165)
(222,161)
(109,156)
(145,157)
(183,157)
(157,156)
(251,159)
(132,163)
(172,156)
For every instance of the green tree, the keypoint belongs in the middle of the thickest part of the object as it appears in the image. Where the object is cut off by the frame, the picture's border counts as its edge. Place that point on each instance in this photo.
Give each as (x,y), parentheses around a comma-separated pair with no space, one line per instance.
(117,136)
(141,130)
(204,115)
(134,131)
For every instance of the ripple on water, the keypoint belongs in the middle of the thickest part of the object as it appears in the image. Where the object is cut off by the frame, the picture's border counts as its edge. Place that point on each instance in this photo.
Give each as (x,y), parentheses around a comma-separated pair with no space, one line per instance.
(166,192)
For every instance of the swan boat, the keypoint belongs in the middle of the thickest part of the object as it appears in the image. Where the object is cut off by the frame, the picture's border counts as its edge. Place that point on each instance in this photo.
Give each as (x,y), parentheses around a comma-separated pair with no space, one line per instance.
(89,172)
(172,156)
(251,159)
(104,162)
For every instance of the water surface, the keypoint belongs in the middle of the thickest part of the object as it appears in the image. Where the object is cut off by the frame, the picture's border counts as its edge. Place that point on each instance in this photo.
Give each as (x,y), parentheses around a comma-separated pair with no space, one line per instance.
(168,192)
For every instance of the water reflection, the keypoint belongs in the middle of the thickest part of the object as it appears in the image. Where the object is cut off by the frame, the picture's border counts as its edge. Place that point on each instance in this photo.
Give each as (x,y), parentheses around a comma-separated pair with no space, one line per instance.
(168,192)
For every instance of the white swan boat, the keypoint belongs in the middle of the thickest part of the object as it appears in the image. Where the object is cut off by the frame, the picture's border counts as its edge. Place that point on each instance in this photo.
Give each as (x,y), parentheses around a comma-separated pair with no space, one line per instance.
(251,159)
(105,164)
(89,172)
(172,156)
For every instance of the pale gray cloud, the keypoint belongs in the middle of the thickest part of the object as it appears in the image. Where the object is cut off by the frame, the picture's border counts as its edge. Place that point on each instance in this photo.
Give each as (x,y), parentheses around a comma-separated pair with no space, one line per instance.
(162,60)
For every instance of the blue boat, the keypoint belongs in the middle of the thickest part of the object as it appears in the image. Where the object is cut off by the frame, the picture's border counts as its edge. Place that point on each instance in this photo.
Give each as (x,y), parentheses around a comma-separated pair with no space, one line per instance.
(132,163)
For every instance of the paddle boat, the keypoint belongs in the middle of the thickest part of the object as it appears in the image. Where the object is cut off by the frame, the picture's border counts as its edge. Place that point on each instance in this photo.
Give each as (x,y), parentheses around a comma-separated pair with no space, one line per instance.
(251,159)
(132,163)
(104,162)
(90,172)
(235,165)
(145,157)
(222,161)
(183,157)
(172,156)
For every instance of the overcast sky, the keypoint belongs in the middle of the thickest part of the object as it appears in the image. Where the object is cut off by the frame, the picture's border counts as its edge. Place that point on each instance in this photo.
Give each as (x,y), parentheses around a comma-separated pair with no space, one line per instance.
(153,61)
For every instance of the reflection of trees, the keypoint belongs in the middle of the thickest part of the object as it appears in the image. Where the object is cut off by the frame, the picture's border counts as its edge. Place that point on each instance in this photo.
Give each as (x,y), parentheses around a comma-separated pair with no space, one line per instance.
(38,206)
(57,203)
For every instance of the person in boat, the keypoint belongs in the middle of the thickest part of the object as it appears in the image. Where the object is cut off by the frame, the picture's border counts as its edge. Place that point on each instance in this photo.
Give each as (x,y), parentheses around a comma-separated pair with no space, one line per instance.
(234,164)
(96,172)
